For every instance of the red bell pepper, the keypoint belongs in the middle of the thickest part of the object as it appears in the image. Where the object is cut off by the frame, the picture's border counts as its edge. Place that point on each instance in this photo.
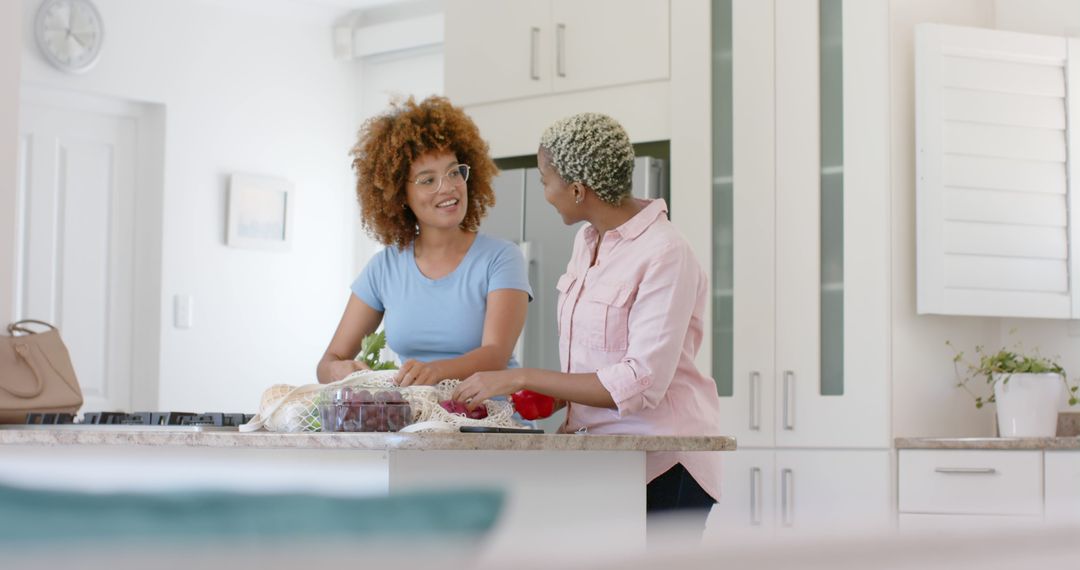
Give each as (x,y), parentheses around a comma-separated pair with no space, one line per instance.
(533,405)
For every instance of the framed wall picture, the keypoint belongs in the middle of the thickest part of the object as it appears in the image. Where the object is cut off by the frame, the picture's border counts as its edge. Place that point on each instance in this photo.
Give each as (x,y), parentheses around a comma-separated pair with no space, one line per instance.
(260,212)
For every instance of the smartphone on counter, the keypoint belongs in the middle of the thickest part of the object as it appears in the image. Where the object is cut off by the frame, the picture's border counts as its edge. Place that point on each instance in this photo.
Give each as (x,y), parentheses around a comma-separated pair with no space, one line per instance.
(486,429)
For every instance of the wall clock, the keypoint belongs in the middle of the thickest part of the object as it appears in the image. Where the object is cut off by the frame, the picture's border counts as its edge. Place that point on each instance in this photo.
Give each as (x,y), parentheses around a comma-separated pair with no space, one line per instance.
(70,34)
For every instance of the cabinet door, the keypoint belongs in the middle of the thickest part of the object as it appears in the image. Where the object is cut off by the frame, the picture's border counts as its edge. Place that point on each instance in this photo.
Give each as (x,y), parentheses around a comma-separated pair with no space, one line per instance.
(744,223)
(832,247)
(1063,486)
(609,42)
(825,492)
(497,50)
(746,505)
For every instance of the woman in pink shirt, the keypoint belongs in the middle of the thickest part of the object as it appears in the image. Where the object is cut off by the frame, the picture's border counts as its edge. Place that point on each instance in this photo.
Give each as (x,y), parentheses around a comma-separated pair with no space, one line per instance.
(630,312)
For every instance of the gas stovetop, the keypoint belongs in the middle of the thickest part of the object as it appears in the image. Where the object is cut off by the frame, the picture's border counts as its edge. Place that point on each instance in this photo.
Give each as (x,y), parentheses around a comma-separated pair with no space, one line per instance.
(120,421)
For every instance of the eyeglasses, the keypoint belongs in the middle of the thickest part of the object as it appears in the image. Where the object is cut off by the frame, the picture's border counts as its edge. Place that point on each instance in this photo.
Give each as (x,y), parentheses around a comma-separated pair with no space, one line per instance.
(458,174)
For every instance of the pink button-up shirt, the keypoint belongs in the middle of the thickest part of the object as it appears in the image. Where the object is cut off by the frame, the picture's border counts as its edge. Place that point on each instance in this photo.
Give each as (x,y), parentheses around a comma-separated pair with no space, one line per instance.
(635,318)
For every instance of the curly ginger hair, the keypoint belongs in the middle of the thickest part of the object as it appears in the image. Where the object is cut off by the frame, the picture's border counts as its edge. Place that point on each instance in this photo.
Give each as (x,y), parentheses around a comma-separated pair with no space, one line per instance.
(385,150)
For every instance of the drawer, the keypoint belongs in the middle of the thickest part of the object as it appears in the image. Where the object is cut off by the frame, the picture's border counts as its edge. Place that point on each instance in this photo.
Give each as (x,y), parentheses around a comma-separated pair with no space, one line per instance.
(976,482)
(1063,486)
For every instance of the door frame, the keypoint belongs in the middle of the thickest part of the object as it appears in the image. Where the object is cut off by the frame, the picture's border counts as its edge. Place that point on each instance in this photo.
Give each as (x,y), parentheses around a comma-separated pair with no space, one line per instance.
(148,212)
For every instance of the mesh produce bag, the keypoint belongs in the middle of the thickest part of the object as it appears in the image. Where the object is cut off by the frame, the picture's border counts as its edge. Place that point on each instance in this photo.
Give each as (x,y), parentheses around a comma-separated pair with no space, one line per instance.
(292,409)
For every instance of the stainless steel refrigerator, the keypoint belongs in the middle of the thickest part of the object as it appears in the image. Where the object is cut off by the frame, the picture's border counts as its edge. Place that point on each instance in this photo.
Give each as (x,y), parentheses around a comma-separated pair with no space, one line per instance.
(522,216)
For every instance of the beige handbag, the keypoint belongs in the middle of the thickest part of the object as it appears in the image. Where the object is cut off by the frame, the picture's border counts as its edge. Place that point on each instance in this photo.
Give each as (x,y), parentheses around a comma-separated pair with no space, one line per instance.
(35,373)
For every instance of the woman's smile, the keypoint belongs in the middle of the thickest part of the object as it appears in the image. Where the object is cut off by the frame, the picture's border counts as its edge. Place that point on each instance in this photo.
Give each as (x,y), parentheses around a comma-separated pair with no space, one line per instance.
(449,205)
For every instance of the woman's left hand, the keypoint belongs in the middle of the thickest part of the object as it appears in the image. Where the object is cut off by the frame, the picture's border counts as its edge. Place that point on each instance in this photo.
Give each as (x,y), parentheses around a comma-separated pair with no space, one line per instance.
(483,385)
(416,373)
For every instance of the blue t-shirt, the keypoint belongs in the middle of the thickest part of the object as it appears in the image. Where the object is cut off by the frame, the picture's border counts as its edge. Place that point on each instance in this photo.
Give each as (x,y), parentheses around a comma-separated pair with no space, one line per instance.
(435,319)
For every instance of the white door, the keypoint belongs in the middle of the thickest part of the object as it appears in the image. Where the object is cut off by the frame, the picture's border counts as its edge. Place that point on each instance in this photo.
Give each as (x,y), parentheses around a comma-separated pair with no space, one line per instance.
(747,413)
(853,410)
(76,219)
(609,42)
(1062,487)
(832,491)
(747,504)
(497,50)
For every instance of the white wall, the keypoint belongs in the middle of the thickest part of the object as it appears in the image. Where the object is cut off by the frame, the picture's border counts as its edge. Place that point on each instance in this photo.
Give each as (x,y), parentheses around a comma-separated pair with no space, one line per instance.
(247,86)
(10,40)
(926,401)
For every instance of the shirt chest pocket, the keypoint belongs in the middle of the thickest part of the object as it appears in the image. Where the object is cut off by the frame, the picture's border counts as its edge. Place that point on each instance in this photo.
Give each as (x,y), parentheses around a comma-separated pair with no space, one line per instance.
(566,281)
(602,316)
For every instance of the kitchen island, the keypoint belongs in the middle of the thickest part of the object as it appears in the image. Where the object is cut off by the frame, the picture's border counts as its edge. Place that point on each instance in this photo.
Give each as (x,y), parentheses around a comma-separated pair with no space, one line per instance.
(550,479)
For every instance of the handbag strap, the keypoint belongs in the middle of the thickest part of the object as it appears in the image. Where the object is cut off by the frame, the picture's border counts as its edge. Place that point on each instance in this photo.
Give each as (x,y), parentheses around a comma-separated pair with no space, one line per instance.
(23,350)
(20,326)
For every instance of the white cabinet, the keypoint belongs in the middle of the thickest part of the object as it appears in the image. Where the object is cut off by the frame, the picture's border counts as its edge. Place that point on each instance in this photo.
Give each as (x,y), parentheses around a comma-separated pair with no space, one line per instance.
(953,488)
(996,154)
(1063,486)
(766,492)
(497,50)
(971,482)
(791,316)
(748,494)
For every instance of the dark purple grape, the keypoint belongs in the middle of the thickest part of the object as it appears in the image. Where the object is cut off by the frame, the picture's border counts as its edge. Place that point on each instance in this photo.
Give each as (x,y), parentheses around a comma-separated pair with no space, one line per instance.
(386,396)
(363,397)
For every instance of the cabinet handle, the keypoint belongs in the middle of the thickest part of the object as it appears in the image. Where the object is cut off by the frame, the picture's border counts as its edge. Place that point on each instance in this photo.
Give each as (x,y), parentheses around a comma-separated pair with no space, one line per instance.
(755,400)
(789,400)
(534,41)
(560,47)
(966,470)
(787,497)
(755,496)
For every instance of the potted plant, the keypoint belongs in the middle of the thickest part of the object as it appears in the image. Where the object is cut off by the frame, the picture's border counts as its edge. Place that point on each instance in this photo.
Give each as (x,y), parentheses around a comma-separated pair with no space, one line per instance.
(1027,388)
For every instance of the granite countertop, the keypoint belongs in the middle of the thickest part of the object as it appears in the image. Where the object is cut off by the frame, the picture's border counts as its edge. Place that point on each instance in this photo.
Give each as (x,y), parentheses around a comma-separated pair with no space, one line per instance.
(988,442)
(1068,437)
(367,441)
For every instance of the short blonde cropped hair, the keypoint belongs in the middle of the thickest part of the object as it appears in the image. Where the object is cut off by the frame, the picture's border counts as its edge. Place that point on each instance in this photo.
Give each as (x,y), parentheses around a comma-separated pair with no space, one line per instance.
(595,150)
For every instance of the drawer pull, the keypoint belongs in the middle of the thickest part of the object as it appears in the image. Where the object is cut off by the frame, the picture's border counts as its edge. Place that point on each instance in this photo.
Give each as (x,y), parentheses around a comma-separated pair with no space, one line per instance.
(755,401)
(966,470)
(787,497)
(755,496)
(789,400)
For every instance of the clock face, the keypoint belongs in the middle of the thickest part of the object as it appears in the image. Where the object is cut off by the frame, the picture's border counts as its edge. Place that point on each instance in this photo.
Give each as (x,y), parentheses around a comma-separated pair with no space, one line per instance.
(69,33)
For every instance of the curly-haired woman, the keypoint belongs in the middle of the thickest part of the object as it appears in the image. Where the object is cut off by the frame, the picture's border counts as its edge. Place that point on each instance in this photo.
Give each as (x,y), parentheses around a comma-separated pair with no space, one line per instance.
(631,316)
(453,300)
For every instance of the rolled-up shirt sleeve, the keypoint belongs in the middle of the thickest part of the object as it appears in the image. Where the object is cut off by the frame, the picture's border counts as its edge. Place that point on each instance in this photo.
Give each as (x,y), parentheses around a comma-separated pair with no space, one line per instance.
(658,322)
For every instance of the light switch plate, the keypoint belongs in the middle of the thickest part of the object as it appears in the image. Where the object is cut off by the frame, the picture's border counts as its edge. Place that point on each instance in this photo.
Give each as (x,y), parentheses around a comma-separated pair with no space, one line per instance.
(182,311)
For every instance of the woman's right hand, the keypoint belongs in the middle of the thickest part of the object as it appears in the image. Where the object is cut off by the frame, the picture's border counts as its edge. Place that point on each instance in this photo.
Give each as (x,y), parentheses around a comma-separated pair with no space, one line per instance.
(341,368)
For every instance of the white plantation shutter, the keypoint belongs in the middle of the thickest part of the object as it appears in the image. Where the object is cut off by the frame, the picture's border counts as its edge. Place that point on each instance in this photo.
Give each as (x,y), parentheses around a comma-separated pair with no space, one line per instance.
(994,222)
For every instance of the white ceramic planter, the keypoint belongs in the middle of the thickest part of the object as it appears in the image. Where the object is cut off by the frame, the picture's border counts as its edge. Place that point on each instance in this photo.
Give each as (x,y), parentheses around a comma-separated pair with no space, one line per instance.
(1027,405)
